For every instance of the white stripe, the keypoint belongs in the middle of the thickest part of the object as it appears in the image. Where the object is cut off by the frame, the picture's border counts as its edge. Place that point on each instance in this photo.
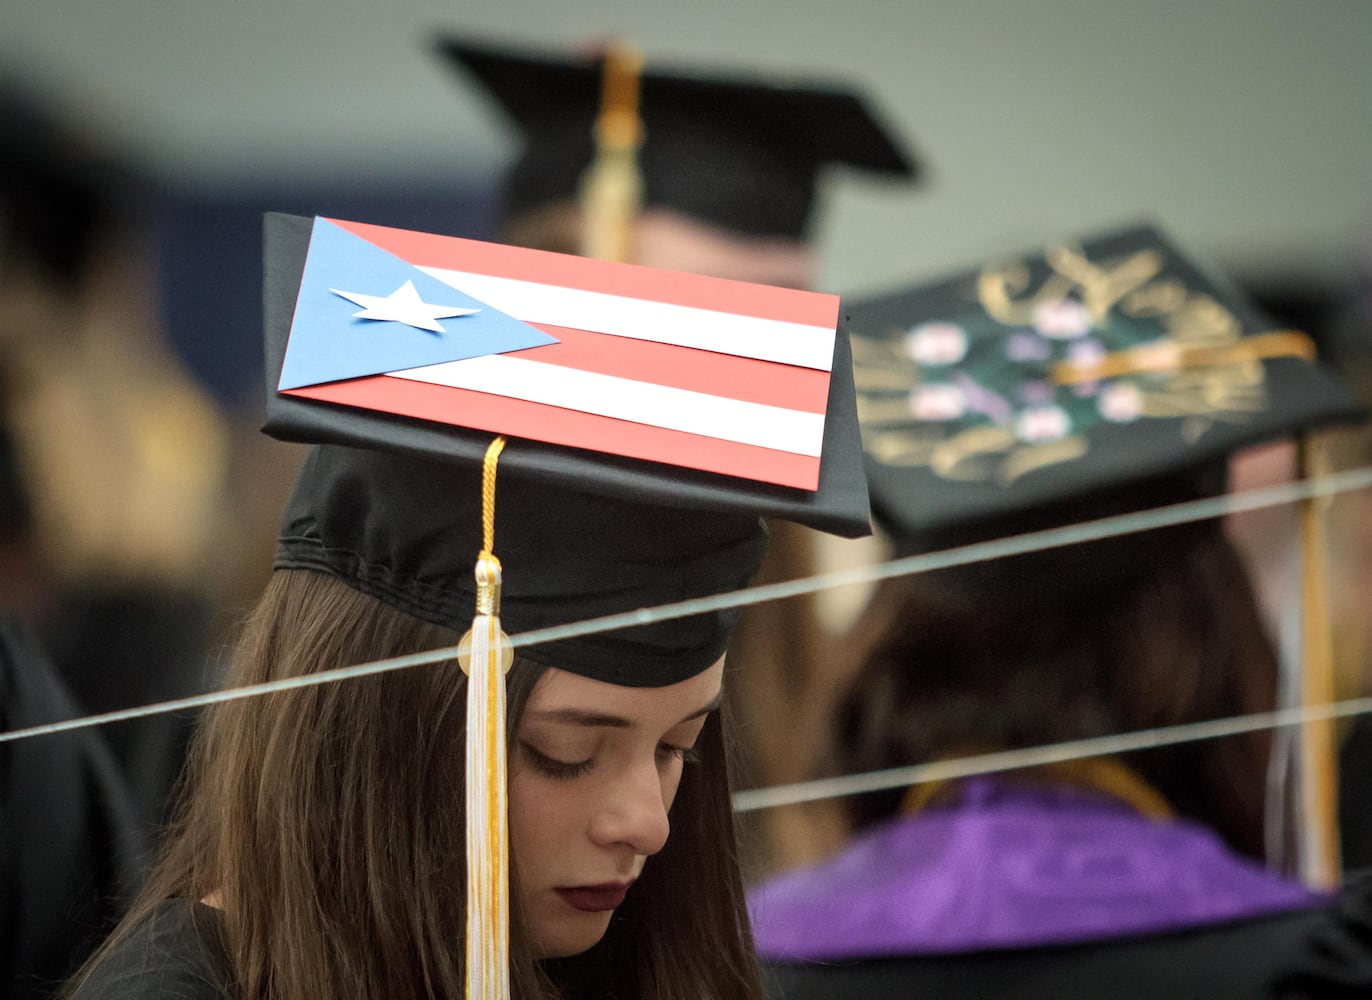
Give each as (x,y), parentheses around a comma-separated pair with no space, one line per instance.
(801,344)
(718,417)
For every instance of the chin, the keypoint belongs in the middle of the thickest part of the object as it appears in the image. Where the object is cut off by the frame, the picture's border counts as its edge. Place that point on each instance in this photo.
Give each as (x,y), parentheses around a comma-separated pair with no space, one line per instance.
(572,937)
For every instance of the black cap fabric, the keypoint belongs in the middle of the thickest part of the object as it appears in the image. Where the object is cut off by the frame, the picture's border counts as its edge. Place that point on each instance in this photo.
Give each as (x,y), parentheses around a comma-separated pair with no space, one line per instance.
(1002,400)
(408,530)
(742,153)
(392,506)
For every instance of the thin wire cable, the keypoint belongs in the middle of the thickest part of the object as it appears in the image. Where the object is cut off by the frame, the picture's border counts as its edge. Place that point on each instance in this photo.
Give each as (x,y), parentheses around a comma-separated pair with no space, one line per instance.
(757,799)
(1038,541)
(234,694)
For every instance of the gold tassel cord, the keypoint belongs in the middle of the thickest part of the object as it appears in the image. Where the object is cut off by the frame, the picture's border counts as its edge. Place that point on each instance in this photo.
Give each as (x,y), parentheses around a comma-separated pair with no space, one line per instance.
(1105,775)
(1169,357)
(1318,748)
(485,654)
(488,464)
(612,188)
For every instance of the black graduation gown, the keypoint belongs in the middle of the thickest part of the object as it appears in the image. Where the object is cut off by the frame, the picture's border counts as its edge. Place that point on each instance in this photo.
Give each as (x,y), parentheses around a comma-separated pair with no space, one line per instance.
(176,954)
(70,854)
(1239,960)
(1335,962)
(117,645)
(1355,795)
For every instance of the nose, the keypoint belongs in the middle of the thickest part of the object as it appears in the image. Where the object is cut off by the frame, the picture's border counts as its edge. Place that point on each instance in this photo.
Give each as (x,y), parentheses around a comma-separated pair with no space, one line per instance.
(634,812)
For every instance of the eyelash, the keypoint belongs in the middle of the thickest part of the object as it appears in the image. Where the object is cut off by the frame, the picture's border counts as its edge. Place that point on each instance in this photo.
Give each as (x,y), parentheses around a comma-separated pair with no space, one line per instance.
(560,770)
(687,755)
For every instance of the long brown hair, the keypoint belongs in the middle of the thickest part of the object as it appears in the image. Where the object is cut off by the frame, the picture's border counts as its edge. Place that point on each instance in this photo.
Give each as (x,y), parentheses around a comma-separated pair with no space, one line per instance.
(330,822)
(946,672)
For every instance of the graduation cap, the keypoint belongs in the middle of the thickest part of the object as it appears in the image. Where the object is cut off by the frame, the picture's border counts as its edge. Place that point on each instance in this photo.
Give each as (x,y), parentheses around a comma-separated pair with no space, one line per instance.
(740,152)
(1073,382)
(651,387)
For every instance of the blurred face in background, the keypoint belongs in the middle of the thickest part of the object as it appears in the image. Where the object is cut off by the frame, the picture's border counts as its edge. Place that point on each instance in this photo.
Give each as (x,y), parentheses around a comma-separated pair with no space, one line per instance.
(667,239)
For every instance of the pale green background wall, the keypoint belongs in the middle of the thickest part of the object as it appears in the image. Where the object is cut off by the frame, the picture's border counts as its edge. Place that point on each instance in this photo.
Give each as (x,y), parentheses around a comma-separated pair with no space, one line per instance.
(1246,127)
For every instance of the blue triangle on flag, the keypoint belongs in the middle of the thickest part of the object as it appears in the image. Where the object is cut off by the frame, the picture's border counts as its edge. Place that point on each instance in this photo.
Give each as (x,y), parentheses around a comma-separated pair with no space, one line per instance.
(328,344)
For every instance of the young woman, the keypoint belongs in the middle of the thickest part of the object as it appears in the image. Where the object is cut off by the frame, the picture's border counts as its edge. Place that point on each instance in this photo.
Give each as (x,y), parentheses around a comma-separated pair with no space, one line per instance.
(322,845)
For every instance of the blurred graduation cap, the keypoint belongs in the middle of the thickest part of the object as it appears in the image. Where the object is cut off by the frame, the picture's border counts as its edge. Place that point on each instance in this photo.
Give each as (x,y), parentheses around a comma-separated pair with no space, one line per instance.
(1074,382)
(58,189)
(740,152)
(637,468)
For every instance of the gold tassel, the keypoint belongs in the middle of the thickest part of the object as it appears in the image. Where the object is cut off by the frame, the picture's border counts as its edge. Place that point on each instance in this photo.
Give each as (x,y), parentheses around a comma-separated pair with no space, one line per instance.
(612,188)
(1173,357)
(485,654)
(1319,752)
(1107,775)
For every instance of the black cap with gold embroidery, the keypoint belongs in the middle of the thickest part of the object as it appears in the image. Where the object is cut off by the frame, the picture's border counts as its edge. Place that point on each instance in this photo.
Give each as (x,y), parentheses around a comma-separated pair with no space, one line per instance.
(1069,383)
(736,151)
(653,418)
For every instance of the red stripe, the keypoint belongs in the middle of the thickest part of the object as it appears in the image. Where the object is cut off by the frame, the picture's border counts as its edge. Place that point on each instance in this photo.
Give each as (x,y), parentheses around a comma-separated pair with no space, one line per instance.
(539,422)
(629,280)
(748,379)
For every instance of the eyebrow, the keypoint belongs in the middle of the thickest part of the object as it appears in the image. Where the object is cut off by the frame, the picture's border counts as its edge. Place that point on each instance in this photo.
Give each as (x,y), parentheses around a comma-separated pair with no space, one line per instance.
(578,717)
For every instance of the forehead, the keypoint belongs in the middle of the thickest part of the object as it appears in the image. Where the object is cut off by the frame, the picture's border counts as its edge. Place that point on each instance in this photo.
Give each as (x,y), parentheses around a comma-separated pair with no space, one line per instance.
(671,240)
(676,242)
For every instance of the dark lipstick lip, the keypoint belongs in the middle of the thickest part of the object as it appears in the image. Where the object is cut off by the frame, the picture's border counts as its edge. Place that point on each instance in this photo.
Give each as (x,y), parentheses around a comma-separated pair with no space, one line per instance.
(595,898)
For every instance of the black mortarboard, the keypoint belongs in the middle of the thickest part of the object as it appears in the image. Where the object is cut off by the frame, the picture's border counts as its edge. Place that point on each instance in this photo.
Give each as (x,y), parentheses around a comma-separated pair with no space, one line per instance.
(739,152)
(393,505)
(1067,384)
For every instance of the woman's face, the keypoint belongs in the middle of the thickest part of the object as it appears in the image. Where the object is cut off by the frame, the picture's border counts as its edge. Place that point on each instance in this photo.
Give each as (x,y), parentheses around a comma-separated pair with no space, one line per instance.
(593,772)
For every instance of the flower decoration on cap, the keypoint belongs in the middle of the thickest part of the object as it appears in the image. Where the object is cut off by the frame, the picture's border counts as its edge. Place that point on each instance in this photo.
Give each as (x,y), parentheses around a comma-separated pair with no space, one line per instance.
(1047,350)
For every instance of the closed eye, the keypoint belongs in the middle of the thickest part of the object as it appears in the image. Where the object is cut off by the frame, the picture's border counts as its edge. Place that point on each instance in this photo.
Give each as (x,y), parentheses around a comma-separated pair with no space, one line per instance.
(559,770)
(688,755)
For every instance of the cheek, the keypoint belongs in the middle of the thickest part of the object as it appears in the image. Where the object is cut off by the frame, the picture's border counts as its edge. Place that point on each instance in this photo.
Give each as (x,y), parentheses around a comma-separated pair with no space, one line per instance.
(670,777)
(542,817)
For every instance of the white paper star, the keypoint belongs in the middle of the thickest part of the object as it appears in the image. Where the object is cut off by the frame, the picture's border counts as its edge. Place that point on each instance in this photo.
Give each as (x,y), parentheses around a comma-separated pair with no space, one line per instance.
(403,306)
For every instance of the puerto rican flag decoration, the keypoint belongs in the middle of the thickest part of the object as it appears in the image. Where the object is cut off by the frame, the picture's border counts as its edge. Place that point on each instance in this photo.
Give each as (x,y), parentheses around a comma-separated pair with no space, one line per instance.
(703,373)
